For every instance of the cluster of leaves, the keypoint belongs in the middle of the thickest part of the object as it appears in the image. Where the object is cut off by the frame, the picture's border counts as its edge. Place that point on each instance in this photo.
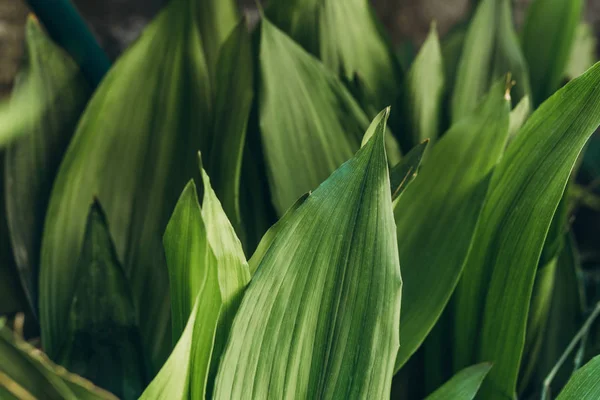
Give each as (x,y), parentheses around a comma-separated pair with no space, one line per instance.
(312,253)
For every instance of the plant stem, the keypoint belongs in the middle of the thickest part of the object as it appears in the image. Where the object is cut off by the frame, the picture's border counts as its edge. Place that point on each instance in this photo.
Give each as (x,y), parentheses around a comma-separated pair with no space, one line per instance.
(66,26)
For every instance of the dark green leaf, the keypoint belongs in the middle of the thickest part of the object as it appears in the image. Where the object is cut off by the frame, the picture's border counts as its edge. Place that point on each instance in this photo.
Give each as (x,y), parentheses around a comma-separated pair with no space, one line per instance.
(335,254)
(526,188)
(406,170)
(437,214)
(490,51)
(347,37)
(52,81)
(103,342)
(134,149)
(464,385)
(547,44)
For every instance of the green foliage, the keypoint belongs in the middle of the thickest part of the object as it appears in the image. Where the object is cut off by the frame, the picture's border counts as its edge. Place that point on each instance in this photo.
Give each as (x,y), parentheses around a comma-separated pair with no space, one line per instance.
(184,285)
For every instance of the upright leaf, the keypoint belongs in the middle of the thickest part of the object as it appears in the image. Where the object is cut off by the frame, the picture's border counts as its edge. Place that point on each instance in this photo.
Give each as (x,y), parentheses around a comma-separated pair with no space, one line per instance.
(320,317)
(584,385)
(309,122)
(406,170)
(436,216)
(103,341)
(526,188)
(464,385)
(348,38)
(233,100)
(491,50)
(134,149)
(547,44)
(54,93)
(422,94)
(28,368)
(583,52)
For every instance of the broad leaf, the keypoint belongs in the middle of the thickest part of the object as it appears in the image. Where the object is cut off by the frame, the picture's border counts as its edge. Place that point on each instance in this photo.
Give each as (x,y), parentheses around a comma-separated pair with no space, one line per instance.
(526,188)
(309,122)
(347,37)
(464,385)
(422,94)
(320,316)
(103,342)
(234,93)
(584,385)
(436,216)
(547,44)
(33,374)
(583,52)
(134,149)
(55,94)
(491,50)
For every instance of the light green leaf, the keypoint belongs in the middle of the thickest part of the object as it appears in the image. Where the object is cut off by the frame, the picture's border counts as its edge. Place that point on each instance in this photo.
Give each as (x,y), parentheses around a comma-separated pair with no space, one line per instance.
(406,170)
(464,385)
(134,149)
(518,116)
(547,44)
(525,191)
(444,202)
(335,254)
(103,342)
(55,93)
(309,122)
(33,373)
(583,51)
(234,87)
(584,385)
(490,51)
(422,94)
(347,37)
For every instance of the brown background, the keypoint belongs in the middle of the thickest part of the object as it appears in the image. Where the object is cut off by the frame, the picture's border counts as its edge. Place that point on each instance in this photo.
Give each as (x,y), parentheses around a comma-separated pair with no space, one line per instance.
(117,22)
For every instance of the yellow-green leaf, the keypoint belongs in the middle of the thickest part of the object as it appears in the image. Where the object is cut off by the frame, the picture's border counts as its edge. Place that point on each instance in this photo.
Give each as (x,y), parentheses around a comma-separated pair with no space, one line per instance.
(584,385)
(464,385)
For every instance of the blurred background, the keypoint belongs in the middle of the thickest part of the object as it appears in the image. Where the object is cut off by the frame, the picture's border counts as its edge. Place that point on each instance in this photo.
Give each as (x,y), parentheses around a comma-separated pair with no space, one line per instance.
(117,22)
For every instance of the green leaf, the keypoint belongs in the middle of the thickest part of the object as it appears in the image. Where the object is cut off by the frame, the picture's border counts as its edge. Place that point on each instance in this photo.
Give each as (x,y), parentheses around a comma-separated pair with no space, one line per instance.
(518,116)
(525,191)
(406,170)
(584,385)
(134,149)
(547,44)
(583,51)
(103,342)
(347,37)
(55,94)
(490,51)
(445,202)
(234,86)
(197,242)
(422,94)
(309,122)
(33,373)
(320,316)
(464,385)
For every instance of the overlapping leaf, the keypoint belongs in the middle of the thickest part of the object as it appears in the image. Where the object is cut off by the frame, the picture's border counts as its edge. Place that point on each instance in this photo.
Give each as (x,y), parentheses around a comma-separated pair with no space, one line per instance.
(547,44)
(491,50)
(348,38)
(437,214)
(103,341)
(25,371)
(134,149)
(526,188)
(584,385)
(320,317)
(464,385)
(422,94)
(309,122)
(207,266)
(49,97)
